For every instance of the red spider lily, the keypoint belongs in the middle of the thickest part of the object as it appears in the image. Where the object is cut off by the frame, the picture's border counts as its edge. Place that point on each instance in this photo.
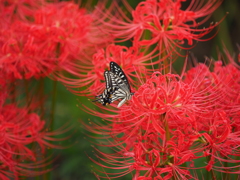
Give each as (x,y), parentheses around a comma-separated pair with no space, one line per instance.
(23,137)
(171,120)
(148,157)
(57,33)
(142,124)
(163,95)
(218,136)
(18,129)
(230,77)
(20,9)
(65,25)
(90,73)
(22,57)
(229,74)
(169,25)
(224,79)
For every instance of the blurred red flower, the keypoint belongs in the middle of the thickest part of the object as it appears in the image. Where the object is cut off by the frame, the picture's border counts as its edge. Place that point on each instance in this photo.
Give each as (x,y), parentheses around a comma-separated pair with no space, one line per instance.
(55,35)
(20,9)
(18,130)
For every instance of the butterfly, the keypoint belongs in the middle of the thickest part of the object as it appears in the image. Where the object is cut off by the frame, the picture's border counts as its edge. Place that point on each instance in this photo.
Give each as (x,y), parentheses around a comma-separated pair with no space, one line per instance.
(117,86)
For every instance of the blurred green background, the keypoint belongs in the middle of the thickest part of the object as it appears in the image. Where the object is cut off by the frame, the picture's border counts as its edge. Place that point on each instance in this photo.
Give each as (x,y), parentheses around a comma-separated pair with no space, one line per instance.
(73,162)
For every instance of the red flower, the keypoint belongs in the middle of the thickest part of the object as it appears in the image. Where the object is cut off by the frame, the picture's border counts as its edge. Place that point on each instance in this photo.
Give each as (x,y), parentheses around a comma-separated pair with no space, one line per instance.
(22,57)
(229,76)
(162,95)
(20,9)
(168,24)
(19,129)
(149,157)
(57,34)
(23,137)
(171,120)
(221,87)
(139,126)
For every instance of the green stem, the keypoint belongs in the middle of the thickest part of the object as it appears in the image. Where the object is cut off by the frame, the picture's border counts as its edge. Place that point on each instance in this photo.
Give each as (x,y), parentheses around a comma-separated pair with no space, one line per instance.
(41,96)
(166,127)
(226,175)
(166,63)
(51,123)
(13,100)
(211,171)
(54,95)
(223,34)
(26,85)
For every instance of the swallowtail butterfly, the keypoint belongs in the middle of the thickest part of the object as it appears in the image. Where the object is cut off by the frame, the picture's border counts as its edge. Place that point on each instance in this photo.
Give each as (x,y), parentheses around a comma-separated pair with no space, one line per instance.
(117,86)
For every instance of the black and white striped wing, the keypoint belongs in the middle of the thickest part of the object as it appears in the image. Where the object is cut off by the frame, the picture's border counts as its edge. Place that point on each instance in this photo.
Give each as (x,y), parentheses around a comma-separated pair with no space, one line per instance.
(115,68)
(117,86)
(120,94)
(106,97)
(110,82)
(122,91)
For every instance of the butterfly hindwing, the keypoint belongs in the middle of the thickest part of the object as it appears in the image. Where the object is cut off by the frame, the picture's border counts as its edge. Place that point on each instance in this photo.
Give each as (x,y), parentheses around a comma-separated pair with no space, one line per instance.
(122,92)
(117,86)
(107,96)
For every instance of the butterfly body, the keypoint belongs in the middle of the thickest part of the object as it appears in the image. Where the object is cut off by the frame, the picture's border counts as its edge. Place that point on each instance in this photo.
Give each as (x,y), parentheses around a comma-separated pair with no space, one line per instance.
(117,86)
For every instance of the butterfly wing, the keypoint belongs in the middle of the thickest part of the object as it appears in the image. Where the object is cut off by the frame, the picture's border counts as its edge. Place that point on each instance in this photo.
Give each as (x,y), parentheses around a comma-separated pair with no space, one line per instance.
(117,86)
(110,81)
(122,92)
(111,86)
(104,98)
(115,68)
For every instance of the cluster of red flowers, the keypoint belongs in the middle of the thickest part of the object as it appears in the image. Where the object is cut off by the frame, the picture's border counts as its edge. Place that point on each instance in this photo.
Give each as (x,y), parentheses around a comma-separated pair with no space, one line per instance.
(172,121)
(37,38)
(41,37)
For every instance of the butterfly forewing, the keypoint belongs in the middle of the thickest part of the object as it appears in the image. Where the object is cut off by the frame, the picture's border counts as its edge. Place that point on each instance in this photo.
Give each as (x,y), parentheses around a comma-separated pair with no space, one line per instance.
(115,68)
(110,82)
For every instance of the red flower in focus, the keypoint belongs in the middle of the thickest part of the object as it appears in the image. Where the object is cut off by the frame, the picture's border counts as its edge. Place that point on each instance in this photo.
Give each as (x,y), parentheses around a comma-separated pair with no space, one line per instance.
(171,121)
(168,23)
(163,96)
(140,128)
(151,156)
